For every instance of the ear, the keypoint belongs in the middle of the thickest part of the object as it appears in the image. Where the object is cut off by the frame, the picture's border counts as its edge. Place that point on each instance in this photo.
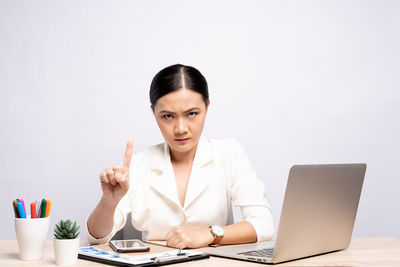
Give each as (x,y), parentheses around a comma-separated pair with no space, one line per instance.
(208,104)
(152,108)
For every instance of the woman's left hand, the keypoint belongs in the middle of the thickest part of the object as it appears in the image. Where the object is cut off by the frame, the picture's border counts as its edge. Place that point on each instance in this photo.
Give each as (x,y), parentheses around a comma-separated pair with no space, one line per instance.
(183,236)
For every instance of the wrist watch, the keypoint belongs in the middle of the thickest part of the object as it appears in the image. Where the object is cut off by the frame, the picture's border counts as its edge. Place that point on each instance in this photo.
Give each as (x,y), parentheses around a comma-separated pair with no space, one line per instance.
(217,232)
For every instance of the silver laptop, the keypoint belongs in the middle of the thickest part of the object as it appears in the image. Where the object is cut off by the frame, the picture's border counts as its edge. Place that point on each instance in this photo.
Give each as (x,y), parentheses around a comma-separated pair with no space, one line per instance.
(317,216)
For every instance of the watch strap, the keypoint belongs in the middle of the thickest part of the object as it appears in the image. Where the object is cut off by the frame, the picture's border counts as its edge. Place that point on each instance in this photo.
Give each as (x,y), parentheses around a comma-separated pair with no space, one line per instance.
(217,239)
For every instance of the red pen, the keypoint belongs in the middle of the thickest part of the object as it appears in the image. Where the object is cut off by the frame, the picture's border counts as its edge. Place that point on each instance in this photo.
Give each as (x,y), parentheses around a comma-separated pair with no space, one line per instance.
(33,210)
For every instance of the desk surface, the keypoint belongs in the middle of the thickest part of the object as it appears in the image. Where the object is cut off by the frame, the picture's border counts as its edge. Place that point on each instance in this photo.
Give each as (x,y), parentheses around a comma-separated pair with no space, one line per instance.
(362,252)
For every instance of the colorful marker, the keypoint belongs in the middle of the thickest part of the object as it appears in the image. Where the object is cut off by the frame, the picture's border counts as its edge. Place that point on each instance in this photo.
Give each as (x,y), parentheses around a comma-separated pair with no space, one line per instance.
(46,213)
(21,210)
(33,210)
(15,209)
(39,209)
(48,207)
(51,205)
(39,214)
(23,205)
(37,202)
(43,209)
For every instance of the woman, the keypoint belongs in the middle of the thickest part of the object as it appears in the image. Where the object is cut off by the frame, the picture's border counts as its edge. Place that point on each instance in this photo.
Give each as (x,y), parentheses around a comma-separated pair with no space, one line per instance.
(181,191)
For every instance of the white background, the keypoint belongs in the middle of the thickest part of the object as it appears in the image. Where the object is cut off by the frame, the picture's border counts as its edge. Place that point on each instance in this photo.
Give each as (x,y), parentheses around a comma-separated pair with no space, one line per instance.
(294,81)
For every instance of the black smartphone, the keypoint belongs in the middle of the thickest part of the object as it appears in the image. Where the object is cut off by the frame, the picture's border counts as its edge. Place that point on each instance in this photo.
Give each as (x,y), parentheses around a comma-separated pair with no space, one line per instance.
(131,245)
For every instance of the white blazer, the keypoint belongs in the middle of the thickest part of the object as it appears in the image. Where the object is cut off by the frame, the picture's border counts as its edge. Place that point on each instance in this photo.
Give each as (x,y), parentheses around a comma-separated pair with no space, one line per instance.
(221,175)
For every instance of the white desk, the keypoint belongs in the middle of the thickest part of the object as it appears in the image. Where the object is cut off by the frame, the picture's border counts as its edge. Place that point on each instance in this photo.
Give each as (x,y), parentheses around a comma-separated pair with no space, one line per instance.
(362,252)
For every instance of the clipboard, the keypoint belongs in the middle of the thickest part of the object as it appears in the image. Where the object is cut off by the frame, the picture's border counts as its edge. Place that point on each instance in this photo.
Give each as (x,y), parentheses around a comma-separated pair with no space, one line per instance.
(107,256)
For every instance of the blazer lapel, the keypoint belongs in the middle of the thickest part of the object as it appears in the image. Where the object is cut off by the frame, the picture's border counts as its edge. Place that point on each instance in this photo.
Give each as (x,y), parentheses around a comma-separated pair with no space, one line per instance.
(162,175)
(201,173)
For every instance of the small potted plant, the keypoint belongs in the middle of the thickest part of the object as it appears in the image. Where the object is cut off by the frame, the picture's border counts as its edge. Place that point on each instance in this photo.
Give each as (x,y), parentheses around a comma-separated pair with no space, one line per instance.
(66,242)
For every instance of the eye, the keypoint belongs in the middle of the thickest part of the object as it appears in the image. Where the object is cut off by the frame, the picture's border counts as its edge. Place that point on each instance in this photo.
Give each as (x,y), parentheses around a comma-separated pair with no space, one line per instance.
(167,116)
(192,114)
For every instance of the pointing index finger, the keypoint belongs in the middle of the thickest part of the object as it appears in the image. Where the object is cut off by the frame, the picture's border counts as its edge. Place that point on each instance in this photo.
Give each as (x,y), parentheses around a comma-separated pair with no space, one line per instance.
(128,154)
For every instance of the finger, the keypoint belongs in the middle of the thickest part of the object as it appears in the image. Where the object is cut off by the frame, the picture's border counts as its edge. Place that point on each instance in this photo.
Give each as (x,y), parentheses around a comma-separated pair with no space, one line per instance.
(103,177)
(169,235)
(128,154)
(177,237)
(110,176)
(123,181)
(120,177)
(117,177)
(180,245)
(173,241)
(117,172)
(117,168)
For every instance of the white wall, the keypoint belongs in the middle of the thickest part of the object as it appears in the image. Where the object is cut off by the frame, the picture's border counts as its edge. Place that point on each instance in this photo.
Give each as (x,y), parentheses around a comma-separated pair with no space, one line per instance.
(293,81)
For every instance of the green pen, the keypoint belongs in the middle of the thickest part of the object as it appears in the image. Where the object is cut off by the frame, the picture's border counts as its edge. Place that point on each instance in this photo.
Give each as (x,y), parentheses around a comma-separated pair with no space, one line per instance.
(43,211)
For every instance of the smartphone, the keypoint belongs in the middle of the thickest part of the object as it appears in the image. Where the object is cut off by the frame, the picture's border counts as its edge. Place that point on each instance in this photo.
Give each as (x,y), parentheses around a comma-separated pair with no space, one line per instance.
(132,245)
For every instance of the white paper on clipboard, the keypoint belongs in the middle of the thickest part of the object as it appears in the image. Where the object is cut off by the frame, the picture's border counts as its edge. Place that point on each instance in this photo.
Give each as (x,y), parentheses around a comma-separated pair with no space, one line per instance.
(89,253)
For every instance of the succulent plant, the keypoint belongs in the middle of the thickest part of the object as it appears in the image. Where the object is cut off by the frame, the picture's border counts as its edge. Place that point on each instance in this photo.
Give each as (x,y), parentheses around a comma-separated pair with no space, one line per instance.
(66,230)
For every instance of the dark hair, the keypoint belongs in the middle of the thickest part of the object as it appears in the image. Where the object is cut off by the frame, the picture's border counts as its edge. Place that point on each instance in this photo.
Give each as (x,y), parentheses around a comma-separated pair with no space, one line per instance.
(175,77)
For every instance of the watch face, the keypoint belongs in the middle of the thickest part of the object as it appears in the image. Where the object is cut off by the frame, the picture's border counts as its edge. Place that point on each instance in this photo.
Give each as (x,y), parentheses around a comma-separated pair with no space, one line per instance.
(217,230)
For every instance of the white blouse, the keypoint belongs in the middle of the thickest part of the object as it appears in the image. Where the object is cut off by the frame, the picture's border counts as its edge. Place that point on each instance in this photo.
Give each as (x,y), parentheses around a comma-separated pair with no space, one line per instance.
(221,174)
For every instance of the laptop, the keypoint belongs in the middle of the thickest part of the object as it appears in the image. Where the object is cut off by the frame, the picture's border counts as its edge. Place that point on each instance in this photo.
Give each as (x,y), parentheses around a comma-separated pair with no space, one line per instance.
(317,216)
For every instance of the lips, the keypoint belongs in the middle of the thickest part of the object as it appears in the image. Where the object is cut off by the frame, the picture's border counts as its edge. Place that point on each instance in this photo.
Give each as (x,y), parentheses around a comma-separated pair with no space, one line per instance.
(182,140)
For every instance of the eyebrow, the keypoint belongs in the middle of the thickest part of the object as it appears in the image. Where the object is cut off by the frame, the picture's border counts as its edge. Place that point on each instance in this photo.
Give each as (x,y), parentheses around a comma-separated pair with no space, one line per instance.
(187,111)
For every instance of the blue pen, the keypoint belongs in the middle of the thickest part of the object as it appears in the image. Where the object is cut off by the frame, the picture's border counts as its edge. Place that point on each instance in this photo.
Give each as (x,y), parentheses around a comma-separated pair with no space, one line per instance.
(21,210)
(23,205)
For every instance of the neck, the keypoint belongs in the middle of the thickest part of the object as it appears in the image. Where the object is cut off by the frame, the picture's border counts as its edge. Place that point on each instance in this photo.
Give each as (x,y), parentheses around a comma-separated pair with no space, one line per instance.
(183,157)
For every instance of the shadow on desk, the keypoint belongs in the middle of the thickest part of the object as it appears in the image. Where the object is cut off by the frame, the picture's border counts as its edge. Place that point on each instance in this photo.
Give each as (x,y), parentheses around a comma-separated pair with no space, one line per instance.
(128,232)
(12,255)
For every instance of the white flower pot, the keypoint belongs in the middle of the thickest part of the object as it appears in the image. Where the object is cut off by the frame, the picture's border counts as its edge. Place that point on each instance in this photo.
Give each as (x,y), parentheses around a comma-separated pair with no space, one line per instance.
(66,251)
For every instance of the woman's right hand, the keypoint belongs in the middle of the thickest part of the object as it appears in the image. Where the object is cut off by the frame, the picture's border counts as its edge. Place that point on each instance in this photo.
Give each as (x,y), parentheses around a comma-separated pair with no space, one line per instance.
(115,180)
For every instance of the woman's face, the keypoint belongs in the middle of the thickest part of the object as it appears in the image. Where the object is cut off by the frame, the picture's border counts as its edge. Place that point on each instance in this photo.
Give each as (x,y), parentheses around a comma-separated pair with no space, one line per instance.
(181,116)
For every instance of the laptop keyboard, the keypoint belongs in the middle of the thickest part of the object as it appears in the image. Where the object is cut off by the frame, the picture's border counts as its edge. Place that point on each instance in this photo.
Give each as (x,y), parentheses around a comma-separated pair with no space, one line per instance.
(266,253)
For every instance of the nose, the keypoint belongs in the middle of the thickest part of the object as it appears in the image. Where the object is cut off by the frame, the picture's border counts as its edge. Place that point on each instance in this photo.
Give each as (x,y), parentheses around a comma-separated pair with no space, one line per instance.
(180,127)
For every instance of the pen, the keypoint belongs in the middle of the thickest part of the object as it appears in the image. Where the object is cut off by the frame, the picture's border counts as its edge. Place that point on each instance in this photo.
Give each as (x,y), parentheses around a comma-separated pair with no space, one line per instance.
(23,205)
(105,251)
(40,209)
(48,207)
(51,205)
(15,209)
(43,209)
(112,253)
(33,210)
(169,258)
(37,208)
(21,210)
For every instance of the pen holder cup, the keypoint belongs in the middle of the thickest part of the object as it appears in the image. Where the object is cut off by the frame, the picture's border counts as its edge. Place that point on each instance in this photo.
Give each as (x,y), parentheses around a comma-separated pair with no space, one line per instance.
(31,236)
